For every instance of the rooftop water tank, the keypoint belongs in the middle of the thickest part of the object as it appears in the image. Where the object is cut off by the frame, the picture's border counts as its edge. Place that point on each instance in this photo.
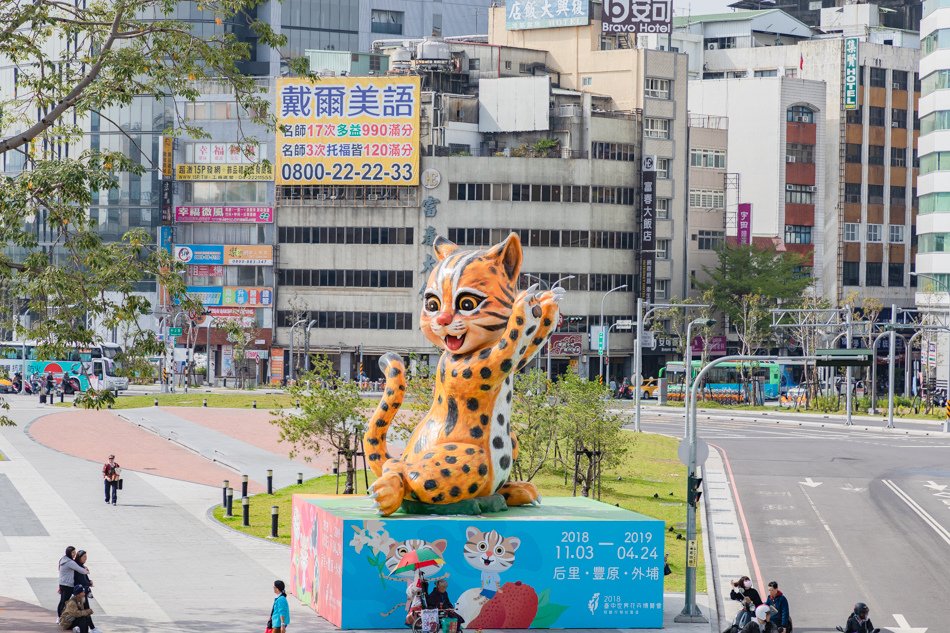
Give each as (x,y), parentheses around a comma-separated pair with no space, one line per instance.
(433,51)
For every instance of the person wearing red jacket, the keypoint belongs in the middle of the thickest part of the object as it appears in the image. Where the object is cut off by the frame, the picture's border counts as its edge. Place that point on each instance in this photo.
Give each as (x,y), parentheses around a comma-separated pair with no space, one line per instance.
(110,476)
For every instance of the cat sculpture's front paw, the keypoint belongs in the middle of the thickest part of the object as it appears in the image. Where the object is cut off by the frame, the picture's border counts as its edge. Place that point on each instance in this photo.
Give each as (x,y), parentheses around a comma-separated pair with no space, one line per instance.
(387,492)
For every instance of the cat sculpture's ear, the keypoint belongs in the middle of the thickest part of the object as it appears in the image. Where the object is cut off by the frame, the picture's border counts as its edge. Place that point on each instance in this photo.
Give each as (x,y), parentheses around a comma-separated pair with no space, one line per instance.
(443,247)
(508,253)
(514,542)
(471,532)
(440,545)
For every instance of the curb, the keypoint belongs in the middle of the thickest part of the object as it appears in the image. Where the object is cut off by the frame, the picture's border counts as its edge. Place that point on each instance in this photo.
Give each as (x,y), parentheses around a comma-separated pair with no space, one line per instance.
(211,518)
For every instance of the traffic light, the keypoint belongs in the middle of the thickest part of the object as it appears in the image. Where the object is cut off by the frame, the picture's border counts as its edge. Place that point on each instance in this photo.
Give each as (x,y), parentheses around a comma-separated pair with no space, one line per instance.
(694,490)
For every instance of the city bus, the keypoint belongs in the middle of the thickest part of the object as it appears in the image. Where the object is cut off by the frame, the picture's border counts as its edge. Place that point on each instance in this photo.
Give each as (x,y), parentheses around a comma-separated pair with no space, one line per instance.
(724,381)
(84,367)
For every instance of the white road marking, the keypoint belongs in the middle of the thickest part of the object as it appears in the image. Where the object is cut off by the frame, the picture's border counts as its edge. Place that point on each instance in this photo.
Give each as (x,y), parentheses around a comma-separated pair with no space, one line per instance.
(941,531)
(935,486)
(903,626)
(811,483)
(850,488)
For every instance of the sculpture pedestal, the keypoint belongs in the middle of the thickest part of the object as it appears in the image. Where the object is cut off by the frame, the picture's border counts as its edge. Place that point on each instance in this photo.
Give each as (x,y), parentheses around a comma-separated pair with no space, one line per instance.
(571,563)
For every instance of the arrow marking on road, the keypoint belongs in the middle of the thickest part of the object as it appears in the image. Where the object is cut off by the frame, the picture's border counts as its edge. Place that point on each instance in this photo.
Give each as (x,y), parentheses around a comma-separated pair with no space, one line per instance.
(931,522)
(903,626)
(851,488)
(810,482)
(935,486)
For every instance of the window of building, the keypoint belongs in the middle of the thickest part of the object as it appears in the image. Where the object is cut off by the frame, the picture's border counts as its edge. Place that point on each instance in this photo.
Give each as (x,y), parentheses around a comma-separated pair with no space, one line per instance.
(766,73)
(937,80)
(899,79)
(898,156)
(853,117)
(875,154)
(874,232)
(851,273)
(712,75)
(710,240)
(876,116)
(706,199)
(657,88)
(875,194)
(375,62)
(800,194)
(663,167)
(852,153)
(800,114)
(474,63)
(898,195)
(878,78)
(799,153)
(662,287)
(386,21)
(872,274)
(852,192)
(656,128)
(709,158)
(715,43)
(797,234)
(586,81)
(852,232)
(508,65)
(663,208)
(936,40)
(935,161)
(612,151)
(896,234)
(898,118)
(895,274)
(663,249)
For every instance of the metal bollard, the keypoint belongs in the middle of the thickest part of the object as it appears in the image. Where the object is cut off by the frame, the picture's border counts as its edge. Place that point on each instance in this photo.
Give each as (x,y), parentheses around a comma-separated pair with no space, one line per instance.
(224,494)
(273,521)
(230,509)
(270,482)
(246,509)
(156,402)
(253,404)
(62,396)
(299,478)
(243,485)
(204,402)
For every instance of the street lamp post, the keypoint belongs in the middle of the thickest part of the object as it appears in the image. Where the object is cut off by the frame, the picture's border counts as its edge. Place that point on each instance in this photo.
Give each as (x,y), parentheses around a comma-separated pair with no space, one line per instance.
(547,286)
(602,322)
(293,366)
(307,345)
(689,356)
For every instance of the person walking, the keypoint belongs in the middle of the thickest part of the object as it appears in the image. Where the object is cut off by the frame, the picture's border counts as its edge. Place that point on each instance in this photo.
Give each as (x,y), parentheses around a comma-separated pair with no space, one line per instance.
(782,618)
(68,569)
(110,477)
(77,616)
(280,612)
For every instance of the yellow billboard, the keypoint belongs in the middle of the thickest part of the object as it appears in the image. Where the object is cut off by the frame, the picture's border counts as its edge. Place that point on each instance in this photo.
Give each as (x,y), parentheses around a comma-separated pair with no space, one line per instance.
(348,131)
(191,171)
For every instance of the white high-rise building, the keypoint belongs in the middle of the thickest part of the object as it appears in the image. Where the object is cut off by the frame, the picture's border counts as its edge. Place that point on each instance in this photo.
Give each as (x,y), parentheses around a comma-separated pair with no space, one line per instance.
(933,184)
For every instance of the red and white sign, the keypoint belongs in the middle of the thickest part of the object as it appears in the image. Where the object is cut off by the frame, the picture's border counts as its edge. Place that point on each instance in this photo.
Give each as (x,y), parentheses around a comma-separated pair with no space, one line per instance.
(248,215)
(566,344)
(206,271)
(244,315)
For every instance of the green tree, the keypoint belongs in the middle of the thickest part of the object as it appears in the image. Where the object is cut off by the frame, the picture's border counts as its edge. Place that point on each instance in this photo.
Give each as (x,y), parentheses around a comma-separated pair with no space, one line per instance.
(328,417)
(747,283)
(240,335)
(75,61)
(588,434)
(534,422)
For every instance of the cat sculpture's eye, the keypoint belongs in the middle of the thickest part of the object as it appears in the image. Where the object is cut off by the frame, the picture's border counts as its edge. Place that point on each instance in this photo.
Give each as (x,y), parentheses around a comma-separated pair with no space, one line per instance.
(467,302)
(432,303)
(499,550)
(482,546)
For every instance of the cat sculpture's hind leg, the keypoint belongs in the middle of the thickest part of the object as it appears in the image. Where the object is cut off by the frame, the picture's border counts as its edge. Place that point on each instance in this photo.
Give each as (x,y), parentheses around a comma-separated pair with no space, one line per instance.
(520,493)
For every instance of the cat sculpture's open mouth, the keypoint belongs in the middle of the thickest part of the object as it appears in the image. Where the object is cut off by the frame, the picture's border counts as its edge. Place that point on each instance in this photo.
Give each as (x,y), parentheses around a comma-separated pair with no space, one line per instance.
(487,561)
(454,342)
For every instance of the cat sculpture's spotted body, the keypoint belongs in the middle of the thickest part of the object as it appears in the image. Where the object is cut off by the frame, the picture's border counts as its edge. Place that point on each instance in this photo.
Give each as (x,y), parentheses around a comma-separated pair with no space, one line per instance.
(464,447)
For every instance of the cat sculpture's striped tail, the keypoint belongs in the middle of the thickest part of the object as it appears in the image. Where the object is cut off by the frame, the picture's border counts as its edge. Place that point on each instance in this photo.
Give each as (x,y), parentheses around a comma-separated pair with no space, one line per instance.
(374,441)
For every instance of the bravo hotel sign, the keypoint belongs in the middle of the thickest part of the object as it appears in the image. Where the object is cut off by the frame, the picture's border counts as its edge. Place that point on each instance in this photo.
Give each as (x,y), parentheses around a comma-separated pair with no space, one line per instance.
(637,16)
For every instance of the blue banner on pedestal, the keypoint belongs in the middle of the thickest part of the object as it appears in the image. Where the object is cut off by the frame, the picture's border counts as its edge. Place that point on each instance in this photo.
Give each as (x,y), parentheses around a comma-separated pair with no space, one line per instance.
(572,563)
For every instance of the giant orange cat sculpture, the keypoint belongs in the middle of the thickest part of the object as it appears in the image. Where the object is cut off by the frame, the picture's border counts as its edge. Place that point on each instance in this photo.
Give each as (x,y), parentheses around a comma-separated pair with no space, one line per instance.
(464,447)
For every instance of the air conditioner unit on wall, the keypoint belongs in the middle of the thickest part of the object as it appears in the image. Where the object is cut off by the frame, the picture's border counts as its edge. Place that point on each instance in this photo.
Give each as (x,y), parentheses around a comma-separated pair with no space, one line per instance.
(712,46)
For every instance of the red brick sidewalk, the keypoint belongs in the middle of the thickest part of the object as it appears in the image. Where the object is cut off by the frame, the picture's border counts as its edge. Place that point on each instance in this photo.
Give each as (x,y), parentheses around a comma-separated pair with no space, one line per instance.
(94,435)
(21,617)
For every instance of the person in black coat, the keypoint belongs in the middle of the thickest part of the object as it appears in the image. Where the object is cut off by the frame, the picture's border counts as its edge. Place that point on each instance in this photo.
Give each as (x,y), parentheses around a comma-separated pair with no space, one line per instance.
(742,589)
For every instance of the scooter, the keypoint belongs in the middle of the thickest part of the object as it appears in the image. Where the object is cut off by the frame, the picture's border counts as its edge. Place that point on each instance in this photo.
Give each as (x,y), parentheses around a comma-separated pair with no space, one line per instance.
(841,630)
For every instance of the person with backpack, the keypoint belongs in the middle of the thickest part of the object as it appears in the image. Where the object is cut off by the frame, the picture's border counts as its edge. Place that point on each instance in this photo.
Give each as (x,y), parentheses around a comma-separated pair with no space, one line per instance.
(859,622)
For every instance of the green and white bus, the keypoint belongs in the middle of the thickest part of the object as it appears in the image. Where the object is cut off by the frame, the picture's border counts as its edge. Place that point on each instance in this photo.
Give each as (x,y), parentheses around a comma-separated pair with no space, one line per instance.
(84,367)
(724,382)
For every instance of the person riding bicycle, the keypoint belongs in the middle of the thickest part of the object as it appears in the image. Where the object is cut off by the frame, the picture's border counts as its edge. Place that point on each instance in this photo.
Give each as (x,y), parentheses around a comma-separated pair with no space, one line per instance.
(859,622)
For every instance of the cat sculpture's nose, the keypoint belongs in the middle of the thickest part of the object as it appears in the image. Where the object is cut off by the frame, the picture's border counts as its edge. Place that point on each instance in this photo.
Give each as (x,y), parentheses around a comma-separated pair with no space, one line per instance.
(444,318)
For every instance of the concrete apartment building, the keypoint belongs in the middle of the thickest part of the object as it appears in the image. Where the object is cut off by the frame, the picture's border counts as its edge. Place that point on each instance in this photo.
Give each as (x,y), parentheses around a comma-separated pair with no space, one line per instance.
(861,204)
(511,141)
(709,215)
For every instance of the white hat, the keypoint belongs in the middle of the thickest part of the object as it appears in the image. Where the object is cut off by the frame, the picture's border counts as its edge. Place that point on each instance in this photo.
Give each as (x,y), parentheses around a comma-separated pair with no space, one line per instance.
(761,611)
